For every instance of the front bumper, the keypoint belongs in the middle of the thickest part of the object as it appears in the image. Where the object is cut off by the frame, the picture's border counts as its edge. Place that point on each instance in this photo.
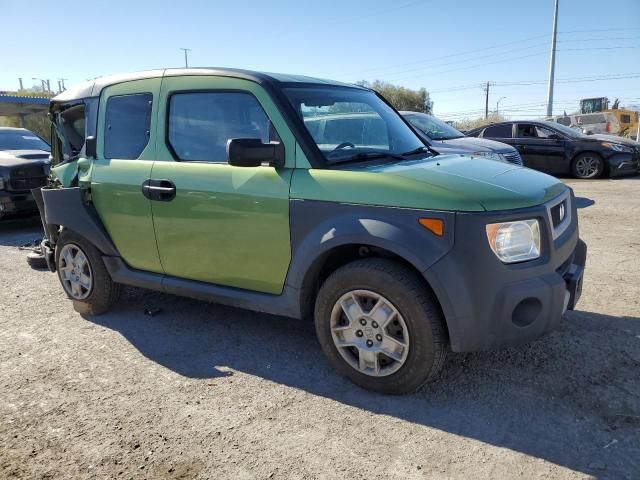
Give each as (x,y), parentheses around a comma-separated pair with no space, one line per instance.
(16,203)
(624,164)
(488,304)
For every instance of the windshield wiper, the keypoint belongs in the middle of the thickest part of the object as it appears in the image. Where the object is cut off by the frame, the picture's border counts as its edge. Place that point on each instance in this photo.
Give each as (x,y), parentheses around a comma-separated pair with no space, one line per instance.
(368,156)
(415,151)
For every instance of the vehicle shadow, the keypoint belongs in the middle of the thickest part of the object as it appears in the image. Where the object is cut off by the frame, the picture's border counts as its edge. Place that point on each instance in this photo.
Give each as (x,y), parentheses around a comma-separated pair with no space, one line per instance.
(571,398)
(16,231)
(584,202)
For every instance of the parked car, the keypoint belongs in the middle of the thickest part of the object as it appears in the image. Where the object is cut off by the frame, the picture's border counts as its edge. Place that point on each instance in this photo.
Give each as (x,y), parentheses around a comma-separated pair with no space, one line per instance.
(24,164)
(557,149)
(445,139)
(210,183)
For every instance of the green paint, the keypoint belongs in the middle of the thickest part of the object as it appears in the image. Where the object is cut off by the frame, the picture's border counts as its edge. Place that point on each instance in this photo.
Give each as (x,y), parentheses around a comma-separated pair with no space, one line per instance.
(116,188)
(230,225)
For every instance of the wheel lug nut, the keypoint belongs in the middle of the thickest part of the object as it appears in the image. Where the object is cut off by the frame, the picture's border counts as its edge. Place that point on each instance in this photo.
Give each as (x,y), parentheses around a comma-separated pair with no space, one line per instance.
(359,333)
(369,343)
(379,337)
(363,321)
(374,324)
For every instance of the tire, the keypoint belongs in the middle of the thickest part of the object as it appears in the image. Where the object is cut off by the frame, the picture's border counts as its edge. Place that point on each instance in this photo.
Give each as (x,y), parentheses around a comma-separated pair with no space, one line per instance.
(418,343)
(89,298)
(587,165)
(37,261)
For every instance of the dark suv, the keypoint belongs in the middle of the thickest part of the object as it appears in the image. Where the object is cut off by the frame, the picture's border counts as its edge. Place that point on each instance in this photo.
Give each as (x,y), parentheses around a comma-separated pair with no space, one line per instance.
(556,149)
(24,164)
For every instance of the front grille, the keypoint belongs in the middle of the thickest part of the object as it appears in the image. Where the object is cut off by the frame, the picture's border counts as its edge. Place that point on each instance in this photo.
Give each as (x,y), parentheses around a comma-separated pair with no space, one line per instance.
(559,211)
(513,157)
(27,177)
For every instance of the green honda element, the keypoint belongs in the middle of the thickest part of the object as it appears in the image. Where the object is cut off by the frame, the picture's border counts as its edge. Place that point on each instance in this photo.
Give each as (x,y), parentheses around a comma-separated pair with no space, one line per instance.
(229,186)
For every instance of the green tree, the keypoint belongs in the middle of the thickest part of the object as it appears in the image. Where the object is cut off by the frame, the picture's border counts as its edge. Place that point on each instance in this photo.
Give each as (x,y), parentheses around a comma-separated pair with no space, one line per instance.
(402,98)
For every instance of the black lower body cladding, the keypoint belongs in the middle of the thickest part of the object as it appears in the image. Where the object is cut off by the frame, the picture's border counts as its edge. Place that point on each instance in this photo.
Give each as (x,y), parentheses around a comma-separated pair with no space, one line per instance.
(490,304)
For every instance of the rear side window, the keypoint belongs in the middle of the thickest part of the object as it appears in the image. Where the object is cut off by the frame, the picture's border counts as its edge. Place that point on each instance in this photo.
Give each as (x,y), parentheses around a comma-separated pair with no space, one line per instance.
(201,123)
(498,131)
(127,124)
(625,118)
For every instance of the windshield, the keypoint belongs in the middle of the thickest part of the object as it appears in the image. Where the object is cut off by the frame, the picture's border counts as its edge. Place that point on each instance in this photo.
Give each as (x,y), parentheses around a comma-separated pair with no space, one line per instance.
(21,140)
(352,124)
(568,131)
(432,127)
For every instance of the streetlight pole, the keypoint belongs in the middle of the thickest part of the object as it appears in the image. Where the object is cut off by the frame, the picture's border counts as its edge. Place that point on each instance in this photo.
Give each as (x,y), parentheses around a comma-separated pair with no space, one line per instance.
(498,104)
(552,62)
(186,56)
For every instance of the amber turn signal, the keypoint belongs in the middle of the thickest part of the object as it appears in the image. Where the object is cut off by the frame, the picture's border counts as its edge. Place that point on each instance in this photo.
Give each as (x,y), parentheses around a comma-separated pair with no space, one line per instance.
(434,225)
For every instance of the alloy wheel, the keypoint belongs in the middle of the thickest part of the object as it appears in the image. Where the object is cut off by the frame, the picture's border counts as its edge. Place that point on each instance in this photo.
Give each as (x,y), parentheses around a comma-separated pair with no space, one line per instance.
(75,272)
(587,167)
(369,333)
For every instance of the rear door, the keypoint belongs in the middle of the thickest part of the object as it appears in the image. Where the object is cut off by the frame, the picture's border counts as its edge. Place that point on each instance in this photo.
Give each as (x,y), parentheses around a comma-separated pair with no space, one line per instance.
(126,149)
(222,224)
(502,132)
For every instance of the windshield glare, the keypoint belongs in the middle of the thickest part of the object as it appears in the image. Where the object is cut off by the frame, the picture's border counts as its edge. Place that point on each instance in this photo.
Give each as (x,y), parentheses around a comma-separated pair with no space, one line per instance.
(345,122)
(432,127)
(21,140)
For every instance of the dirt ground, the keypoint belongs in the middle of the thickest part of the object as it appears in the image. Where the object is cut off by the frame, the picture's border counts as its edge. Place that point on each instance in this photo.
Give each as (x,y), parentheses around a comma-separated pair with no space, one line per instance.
(205,391)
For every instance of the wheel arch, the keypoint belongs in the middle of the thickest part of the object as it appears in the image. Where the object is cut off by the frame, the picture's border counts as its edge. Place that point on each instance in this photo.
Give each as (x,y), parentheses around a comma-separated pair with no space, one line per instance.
(326,236)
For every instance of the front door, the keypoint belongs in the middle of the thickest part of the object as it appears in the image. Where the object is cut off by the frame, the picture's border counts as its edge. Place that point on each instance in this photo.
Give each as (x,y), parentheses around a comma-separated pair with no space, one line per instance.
(221,224)
(126,149)
(540,148)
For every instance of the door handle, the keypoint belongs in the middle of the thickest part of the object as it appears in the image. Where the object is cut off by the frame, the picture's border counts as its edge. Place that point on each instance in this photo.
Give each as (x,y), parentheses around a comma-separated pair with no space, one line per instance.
(159,190)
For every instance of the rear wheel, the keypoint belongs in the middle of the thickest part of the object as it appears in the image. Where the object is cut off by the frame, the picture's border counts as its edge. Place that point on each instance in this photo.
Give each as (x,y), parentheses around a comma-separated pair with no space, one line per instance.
(380,327)
(588,165)
(83,275)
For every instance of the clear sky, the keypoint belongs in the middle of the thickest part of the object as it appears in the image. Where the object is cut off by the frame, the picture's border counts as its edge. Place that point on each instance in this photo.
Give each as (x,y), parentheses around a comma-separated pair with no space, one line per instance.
(439,45)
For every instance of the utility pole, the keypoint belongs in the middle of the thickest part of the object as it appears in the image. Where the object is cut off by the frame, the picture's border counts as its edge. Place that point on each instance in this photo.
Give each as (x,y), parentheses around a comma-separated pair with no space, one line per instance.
(486,101)
(552,63)
(43,83)
(498,104)
(186,56)
(61,84)
(20,82)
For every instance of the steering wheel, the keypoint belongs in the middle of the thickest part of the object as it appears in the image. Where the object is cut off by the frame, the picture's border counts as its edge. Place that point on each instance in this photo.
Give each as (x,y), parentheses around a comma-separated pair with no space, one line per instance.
(341,146)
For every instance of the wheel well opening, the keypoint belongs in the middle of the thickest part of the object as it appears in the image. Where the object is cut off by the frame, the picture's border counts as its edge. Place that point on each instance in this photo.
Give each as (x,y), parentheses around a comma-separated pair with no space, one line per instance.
(335,258)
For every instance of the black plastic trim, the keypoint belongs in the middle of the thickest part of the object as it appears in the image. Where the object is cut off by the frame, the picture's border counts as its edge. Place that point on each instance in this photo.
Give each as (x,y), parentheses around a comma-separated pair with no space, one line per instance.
(285,304)
(66,207)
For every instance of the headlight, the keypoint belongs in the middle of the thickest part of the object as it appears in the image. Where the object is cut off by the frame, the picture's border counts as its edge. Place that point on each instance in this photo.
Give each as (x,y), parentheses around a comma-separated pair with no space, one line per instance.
(617,147)
(515,241)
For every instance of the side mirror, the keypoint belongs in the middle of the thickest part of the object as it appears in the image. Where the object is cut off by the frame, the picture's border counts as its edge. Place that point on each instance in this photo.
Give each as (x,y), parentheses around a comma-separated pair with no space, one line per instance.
(251,152)
(554,136)
(90,147)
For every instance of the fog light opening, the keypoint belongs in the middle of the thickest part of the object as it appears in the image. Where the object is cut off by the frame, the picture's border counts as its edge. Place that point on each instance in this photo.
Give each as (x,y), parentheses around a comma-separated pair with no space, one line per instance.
(526,312)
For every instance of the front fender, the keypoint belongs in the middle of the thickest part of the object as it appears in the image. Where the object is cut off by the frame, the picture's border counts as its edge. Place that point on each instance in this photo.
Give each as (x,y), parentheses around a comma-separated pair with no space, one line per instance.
(317,227)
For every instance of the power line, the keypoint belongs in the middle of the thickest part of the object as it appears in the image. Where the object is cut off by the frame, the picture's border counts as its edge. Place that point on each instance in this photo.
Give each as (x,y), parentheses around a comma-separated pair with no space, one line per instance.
(517,83)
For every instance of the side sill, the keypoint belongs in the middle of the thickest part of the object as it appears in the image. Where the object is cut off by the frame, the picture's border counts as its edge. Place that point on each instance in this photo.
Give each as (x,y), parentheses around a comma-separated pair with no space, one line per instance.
(286,304)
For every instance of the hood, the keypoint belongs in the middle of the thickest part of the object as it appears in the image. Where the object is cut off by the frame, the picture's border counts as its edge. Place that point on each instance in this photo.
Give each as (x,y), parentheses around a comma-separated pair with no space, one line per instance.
(490,184)
(614,139)
(14,158)
(469,145)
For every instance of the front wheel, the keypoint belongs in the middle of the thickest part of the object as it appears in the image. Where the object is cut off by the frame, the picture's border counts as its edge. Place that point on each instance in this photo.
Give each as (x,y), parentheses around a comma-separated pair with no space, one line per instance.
(380,327)
(83,275)
(588,165)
